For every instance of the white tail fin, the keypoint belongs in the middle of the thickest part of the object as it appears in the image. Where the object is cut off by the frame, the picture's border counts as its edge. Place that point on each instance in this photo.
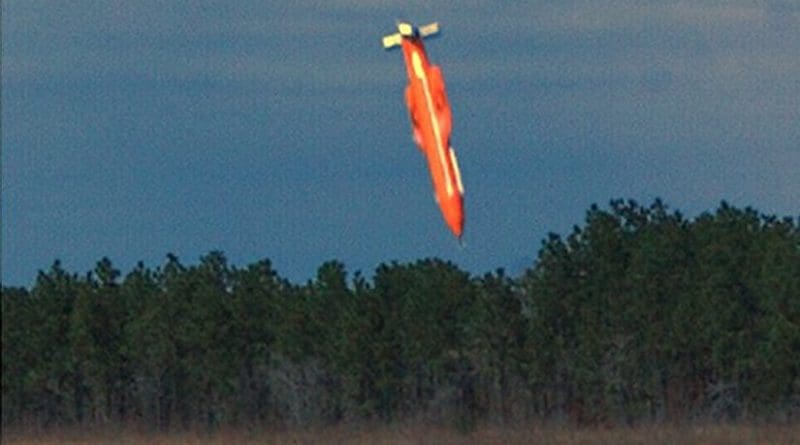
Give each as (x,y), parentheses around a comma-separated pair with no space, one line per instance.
(408,30)
(392,40)
(428,30)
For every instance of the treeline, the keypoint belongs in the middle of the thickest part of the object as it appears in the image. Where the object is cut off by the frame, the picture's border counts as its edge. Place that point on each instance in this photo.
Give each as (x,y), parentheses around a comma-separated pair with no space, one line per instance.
(638,315)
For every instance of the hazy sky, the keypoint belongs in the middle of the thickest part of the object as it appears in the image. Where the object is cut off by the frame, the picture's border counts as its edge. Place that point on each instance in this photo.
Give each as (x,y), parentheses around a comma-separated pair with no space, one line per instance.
(278,130)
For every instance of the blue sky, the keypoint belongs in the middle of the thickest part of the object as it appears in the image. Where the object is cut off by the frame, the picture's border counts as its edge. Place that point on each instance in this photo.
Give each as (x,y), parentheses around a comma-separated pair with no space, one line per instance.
(278,130)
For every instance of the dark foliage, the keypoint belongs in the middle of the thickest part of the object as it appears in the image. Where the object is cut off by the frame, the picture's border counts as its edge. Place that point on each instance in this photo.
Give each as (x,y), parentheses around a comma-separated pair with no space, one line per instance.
(639,315)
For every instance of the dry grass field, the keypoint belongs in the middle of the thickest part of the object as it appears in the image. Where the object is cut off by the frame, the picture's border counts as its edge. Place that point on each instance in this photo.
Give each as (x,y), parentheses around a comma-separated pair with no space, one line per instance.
(711,434)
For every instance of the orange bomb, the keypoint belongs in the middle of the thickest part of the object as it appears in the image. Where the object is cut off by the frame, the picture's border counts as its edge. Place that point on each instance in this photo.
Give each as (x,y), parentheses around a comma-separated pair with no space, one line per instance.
(431,120)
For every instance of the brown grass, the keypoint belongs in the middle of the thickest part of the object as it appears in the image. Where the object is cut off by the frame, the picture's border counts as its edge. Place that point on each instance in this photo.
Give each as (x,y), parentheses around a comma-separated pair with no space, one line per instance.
(710,434)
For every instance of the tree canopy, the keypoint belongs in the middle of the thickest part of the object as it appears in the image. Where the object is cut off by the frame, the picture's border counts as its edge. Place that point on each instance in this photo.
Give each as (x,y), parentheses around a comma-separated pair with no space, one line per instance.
(638,314)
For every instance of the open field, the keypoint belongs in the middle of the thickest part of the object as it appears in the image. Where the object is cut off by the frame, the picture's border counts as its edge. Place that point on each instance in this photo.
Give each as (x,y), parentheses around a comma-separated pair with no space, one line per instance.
(711,434)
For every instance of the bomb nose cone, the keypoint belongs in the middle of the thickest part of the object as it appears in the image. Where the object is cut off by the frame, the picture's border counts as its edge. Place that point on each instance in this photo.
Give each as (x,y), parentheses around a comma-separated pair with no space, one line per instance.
(457,230)
(455,221)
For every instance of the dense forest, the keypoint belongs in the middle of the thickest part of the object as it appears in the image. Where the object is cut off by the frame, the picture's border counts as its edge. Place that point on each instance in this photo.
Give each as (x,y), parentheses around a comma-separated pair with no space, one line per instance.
(638,315)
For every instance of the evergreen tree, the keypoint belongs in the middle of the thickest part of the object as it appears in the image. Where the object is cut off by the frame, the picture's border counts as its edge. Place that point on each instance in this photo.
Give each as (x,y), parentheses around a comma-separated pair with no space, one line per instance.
(18,355)
(50,378)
